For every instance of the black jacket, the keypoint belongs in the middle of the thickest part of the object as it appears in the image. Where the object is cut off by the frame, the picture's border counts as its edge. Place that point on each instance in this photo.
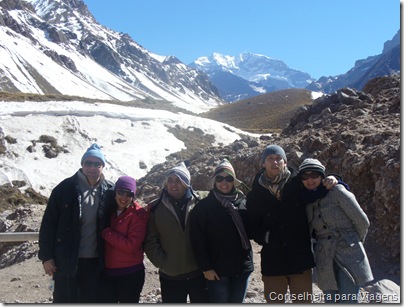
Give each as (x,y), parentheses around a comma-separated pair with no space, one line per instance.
(59,234)
(215,239)
(288,250)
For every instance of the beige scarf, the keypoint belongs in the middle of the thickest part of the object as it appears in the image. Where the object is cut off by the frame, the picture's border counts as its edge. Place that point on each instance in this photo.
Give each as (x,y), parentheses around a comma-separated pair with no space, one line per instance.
(275,186)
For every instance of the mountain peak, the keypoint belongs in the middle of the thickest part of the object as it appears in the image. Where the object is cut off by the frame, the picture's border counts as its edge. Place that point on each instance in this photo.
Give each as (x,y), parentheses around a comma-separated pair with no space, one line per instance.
(256,72)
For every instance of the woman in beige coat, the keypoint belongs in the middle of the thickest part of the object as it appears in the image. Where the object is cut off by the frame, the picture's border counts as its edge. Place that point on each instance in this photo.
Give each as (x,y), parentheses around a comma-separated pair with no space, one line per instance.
(339,226)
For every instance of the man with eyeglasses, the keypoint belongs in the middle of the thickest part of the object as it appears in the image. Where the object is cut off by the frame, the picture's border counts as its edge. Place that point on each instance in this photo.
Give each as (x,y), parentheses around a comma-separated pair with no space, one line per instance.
(168,244)
(277,221)
(70,243)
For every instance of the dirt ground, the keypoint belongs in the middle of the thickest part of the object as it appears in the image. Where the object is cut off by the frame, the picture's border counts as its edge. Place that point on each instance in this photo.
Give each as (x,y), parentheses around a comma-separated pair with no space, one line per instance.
(25,282)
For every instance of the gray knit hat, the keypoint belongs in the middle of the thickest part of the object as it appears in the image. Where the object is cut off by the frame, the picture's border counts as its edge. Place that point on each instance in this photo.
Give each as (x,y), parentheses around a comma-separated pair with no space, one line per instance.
(312,165)
(181,172)
(273,150)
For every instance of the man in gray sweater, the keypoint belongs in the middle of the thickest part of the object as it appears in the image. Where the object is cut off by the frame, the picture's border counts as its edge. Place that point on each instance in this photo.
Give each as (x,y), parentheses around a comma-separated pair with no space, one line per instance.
(70,244)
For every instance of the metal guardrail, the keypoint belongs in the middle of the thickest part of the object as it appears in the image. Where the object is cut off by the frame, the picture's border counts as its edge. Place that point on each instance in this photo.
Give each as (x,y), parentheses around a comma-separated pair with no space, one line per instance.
(18,236)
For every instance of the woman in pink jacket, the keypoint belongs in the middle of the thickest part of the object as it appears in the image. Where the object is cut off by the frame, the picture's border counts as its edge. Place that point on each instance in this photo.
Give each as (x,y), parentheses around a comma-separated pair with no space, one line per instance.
(124,271)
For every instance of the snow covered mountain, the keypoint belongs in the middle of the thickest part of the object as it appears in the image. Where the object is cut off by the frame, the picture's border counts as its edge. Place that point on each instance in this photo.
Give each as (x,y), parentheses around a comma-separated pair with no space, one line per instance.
(57,47)
(248,74)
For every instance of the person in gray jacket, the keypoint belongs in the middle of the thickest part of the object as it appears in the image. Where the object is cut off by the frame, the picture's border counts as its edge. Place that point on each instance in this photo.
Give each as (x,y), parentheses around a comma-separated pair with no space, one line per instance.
(339,226)
(168,243)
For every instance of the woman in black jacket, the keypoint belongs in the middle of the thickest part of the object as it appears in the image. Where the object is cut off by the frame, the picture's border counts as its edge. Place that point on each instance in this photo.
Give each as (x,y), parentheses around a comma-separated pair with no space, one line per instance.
(219,238)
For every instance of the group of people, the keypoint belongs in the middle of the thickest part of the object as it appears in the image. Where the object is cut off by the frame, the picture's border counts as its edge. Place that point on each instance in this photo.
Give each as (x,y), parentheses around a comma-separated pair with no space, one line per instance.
(94,235)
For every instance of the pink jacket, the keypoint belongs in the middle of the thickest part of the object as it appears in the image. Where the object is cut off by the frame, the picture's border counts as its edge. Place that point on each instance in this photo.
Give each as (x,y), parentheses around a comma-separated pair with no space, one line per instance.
(124,238)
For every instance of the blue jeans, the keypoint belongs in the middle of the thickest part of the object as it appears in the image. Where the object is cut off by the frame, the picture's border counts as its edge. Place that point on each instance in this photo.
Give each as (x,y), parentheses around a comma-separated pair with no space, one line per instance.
(348,291)
(228,289)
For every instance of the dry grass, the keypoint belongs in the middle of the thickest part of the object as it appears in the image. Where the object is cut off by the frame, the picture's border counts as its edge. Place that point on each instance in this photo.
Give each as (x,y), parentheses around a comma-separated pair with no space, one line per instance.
(265,113)
(7,96)
(11,197)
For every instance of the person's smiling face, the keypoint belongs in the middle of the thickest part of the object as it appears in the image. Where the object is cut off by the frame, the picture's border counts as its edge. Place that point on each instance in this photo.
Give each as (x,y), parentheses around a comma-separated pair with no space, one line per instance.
(311,180)
(224,182)
(92,168)
(175,187)
(123,198)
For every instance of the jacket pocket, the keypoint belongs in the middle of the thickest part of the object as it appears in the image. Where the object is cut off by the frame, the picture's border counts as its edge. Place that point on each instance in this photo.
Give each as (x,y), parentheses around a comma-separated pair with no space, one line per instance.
(350,249)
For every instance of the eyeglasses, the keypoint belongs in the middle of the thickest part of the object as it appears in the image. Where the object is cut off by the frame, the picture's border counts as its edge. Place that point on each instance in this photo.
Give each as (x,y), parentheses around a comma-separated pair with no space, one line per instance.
(126,193)
(313,175)
(96,164)
(221,178)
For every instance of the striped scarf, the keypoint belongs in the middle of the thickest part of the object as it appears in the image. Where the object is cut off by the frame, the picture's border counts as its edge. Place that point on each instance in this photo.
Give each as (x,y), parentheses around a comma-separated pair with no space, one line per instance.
(227,202)
(275,186)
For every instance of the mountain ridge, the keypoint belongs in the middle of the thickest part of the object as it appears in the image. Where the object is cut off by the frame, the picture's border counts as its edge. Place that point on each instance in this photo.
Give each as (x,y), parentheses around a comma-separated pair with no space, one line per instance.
(58,47)
(245,75)
(44,42)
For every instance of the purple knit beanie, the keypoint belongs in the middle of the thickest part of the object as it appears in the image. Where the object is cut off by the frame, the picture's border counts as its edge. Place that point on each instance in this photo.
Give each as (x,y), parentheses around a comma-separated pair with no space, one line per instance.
(126,183)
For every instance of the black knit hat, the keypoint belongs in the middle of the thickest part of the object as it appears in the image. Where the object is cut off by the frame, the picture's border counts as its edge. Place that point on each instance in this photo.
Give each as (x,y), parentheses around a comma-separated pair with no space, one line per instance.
(273,150)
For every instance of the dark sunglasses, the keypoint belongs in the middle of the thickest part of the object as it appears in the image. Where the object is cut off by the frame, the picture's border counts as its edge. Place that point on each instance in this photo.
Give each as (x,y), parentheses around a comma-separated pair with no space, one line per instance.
(313,175)
(221,178)
(92,163)
(125,193)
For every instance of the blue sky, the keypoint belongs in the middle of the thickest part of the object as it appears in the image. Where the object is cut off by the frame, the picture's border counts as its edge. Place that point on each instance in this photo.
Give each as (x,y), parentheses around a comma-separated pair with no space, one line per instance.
(319,37)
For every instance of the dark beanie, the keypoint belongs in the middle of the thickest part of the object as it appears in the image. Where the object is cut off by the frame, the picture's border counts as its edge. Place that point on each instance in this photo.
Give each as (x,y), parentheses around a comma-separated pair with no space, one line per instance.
(126,183)
(93,151)
(311,165)
(273,150)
